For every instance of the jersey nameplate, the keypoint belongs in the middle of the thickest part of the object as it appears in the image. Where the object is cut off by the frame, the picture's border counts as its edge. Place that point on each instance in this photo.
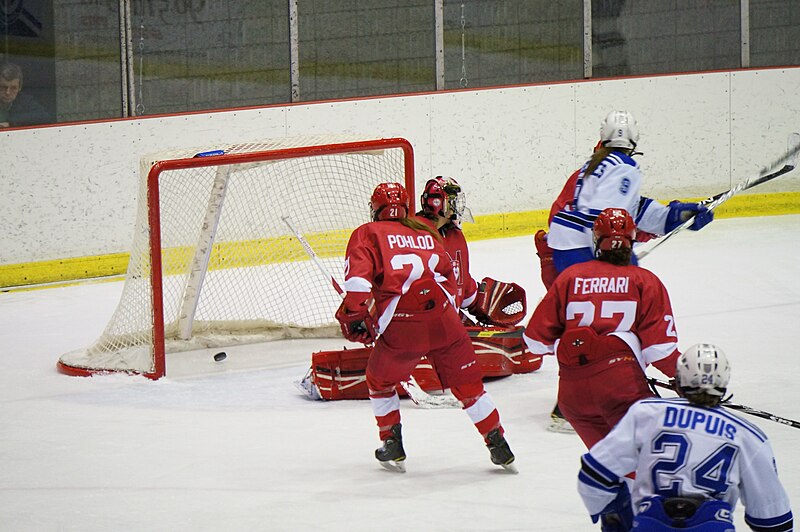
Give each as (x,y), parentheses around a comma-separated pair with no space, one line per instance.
(687,418)
(408,241)
(601,285)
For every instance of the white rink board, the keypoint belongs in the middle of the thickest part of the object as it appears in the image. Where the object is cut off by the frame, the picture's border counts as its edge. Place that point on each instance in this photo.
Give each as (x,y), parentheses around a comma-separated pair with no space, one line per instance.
(70,190)
(763,112)
(684,129)
(506,147)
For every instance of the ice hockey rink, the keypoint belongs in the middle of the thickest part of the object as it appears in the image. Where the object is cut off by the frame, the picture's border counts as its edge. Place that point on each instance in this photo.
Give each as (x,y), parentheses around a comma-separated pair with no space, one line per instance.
(235,446)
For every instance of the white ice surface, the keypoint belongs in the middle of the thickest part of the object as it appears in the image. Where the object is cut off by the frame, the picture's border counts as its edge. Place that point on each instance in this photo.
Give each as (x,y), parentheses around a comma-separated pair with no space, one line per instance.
(238,448)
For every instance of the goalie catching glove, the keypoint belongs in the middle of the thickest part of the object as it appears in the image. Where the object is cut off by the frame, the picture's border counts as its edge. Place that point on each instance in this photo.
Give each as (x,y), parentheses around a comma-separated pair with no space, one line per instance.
(498,303)
(357,317)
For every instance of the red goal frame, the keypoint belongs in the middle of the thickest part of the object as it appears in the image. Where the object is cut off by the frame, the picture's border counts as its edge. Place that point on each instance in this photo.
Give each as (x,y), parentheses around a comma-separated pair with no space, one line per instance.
(154,220)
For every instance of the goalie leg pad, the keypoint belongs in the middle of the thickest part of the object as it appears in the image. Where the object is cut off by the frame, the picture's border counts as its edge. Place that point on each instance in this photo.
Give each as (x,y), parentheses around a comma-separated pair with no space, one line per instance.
(526,362)
(501,351)
(341,374)
(426,376)
(338,375)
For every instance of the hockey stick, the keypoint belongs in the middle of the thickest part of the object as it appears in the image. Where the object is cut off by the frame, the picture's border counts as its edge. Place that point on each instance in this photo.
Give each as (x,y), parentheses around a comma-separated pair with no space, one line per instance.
(734,406)
(489,333)
(423,399)
(417,395)
(789,161)
(310,251)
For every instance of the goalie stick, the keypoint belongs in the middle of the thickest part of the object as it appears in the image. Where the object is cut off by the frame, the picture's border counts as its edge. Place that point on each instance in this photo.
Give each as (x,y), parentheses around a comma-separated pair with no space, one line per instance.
(789,161)
(500,333)
(733,406)
(417,395)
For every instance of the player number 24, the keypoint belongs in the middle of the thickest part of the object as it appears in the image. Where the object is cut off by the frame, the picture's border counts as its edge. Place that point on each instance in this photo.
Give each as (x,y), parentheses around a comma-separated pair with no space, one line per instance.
(711,475)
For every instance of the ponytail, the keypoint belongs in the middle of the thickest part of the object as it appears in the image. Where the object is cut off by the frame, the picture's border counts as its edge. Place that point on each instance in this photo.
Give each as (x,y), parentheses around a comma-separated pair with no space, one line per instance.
(417,225)
(598,156)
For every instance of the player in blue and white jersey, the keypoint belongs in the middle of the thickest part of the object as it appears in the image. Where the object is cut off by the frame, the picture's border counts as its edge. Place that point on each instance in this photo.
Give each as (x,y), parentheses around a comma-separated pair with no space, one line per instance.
(693,461)
(612,178)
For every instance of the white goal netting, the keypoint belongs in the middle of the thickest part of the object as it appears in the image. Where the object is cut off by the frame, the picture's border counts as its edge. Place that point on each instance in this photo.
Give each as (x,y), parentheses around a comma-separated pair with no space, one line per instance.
(232,270)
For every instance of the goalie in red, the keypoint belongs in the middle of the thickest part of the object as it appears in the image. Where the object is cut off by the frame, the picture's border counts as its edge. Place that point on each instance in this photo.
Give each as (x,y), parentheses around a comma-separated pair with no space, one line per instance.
(491,302)
(401,295)
(606,320)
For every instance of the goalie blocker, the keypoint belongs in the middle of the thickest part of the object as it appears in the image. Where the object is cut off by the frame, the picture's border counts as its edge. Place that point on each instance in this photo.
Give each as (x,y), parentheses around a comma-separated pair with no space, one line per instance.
(500,351)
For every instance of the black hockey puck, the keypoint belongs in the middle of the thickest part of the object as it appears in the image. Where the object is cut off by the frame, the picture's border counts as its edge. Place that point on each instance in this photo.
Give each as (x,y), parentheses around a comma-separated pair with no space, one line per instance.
(219,357)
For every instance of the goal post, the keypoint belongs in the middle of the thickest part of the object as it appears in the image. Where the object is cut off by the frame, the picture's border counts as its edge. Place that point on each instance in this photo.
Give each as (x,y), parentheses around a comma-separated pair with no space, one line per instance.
(213,263)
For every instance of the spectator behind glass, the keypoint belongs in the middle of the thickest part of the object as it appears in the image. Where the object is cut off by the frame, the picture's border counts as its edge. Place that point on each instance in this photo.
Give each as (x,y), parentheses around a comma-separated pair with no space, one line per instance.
(16,108)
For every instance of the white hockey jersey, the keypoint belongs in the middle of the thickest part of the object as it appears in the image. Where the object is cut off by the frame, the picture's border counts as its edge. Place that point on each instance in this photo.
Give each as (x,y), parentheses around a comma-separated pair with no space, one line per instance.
(679,450)
(615,182)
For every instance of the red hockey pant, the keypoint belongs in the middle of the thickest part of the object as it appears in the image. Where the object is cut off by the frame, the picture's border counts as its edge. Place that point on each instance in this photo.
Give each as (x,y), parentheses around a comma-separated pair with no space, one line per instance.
(439,335)
(594,397)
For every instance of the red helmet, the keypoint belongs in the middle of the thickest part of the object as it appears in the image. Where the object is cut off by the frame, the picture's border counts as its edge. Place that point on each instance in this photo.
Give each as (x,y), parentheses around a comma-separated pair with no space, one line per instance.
(442,194)
(614,229)
(389,201)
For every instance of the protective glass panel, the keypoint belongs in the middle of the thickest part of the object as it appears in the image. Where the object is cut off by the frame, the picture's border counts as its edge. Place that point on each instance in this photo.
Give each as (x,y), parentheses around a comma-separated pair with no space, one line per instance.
(660,36)
(198,54)
(774,33)
(508,42)
(364,48)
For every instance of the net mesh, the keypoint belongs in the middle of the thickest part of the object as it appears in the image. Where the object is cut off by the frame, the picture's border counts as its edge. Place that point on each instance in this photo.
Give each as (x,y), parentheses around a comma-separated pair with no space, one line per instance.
(257,282)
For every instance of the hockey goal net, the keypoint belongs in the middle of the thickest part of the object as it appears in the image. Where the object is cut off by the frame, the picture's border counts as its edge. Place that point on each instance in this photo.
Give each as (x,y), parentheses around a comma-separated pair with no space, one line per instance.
(216,261)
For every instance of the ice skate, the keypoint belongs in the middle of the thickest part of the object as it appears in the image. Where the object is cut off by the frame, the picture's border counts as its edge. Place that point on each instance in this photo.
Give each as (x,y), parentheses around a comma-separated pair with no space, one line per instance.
(391,454)
(500,451)
(558,422)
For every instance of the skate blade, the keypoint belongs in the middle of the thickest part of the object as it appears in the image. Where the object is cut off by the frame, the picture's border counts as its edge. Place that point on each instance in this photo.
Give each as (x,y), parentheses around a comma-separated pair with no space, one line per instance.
(561,427)
(511,468)
(394,467)
(306,385)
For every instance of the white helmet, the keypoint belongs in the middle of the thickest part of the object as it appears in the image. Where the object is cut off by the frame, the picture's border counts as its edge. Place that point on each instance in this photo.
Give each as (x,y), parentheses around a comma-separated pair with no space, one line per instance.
(703,368)
(619,130)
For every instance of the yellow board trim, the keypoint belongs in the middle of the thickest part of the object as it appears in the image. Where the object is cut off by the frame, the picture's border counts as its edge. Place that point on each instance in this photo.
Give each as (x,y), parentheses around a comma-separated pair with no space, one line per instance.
(527,223)
(505,225)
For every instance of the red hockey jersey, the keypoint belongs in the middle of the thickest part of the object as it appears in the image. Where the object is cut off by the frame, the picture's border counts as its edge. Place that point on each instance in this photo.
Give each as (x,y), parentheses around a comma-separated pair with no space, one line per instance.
(625,301)
(387,257)
(456,247)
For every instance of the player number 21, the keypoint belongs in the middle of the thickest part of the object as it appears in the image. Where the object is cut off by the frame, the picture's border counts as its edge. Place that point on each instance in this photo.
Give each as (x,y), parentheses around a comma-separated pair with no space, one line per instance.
(417,267)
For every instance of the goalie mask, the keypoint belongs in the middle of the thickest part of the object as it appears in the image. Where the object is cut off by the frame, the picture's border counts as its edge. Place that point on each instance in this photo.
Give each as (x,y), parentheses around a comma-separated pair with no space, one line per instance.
(613,229)
(619,130)
(703,368)
(443,197)
(389,201)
